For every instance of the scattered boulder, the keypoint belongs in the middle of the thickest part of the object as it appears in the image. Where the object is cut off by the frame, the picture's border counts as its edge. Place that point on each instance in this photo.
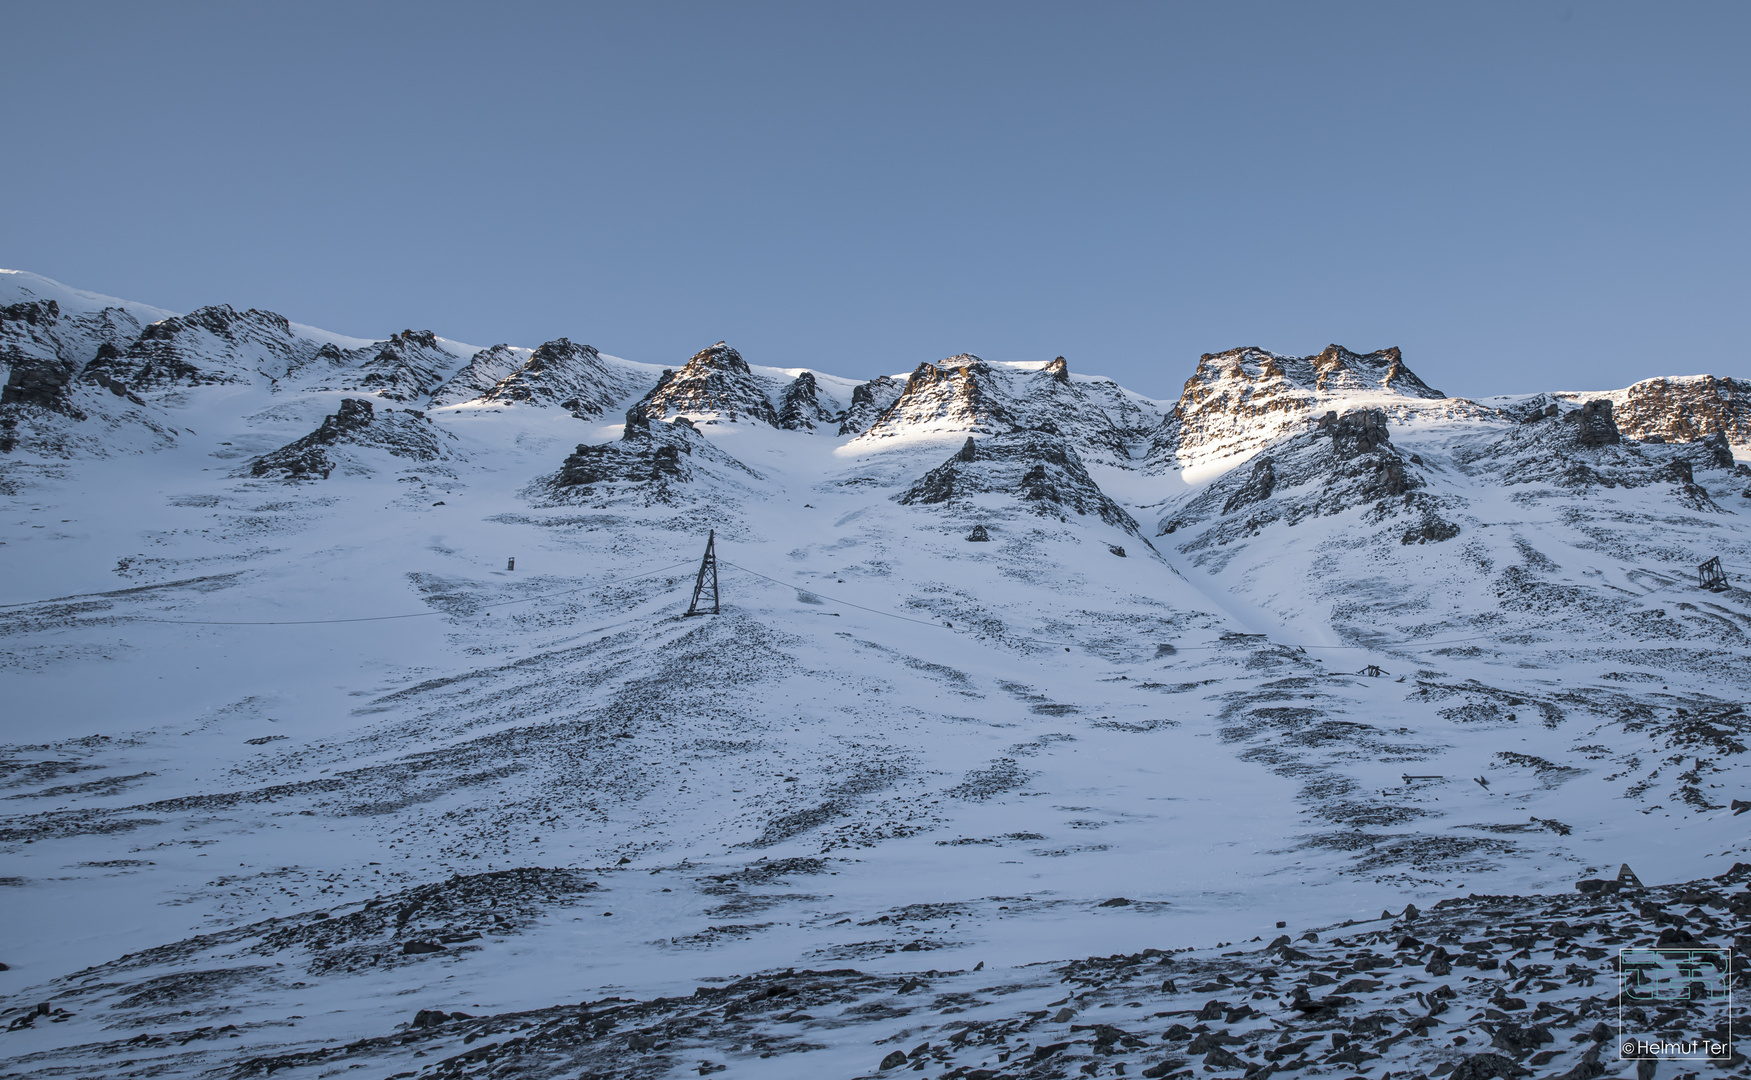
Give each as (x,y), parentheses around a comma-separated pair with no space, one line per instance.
(1432,530)
(979,534)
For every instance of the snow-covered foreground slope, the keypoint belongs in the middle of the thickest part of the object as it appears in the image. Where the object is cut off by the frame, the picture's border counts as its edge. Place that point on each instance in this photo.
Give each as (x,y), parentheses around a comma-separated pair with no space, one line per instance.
(294,755)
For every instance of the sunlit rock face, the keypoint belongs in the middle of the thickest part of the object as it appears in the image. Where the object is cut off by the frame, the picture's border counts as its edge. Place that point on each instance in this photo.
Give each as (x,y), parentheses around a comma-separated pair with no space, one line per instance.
(717,383)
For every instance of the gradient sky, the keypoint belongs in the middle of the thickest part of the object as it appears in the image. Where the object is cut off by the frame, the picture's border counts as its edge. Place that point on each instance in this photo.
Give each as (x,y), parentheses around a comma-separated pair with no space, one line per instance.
(1522,196)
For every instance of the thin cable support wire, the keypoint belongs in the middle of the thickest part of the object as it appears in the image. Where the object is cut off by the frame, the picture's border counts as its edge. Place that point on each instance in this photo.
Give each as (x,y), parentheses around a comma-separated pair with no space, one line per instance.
(389,618)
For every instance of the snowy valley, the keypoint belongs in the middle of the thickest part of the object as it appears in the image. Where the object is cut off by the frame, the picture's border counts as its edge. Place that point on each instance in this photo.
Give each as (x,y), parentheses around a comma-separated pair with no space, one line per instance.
(1037,715)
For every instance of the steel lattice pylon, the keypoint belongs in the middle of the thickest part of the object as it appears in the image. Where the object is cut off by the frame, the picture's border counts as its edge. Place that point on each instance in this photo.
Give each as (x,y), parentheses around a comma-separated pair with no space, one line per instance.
(707,565)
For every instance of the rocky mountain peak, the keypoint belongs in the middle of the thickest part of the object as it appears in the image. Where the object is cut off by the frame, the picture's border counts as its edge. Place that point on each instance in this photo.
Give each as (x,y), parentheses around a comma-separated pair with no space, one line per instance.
(1685,409)
(966,393)
(801,407)
(1243,398)
(560,372)
(716,381)
(423,339)
(718,357)
(868,402)
(33,312)
(409,366)
(959,393)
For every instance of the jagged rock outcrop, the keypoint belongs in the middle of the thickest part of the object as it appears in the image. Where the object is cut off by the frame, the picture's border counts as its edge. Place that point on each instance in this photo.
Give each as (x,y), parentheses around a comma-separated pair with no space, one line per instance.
(868,402)
(1580,450)
(962,393)
(1259,484)
(1345,461)
(1685,409)
(801,408)
(560,372)
(1595,423)
(1242,399)
(650,459)
(356,424)
(716,382)
(209,346)
(965,393)
(1039,469)
(410,366)
(43,349)
(484,370)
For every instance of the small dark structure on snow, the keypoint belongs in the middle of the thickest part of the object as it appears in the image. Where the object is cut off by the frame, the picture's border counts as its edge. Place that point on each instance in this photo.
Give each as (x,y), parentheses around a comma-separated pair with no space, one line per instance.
(1712,577)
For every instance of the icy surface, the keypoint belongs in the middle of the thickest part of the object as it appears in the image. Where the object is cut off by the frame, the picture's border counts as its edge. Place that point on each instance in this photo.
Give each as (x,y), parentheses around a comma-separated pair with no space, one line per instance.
(293,757)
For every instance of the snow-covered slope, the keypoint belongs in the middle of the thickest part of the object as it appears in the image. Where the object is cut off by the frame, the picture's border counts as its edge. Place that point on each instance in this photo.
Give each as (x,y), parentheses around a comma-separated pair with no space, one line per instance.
(1013,667)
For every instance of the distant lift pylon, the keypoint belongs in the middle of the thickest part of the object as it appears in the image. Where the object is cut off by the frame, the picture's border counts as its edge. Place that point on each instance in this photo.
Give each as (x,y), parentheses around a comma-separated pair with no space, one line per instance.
(707,565)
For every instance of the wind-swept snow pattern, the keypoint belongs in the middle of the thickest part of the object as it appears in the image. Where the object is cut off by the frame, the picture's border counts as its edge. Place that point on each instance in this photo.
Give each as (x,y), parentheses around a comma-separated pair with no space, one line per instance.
(355,720)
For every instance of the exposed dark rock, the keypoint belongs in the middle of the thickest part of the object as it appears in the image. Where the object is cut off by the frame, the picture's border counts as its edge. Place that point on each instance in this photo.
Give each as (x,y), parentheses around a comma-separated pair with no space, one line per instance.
(1357,431)
(404,434)
(965,393)
(1257,488)
(1343,462)
(1678,410)
(1432,530)
(1244,398)
(560,372)
(40,381)
(800,409)
(410,365)
(868,402)
(1597,428)
(651,456)
(45,348)
(1039,469)
(716,380)
(979,534)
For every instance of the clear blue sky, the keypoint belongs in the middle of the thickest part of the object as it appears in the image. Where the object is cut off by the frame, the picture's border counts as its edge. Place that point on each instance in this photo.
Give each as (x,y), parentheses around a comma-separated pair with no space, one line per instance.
(1522,196)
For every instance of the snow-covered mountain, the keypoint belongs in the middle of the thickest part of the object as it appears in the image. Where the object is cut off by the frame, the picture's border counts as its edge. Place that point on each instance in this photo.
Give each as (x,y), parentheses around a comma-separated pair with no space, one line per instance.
(355,720)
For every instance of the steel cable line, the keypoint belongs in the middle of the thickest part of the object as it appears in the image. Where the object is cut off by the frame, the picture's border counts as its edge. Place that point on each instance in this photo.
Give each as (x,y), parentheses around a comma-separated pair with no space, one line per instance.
(379,618)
